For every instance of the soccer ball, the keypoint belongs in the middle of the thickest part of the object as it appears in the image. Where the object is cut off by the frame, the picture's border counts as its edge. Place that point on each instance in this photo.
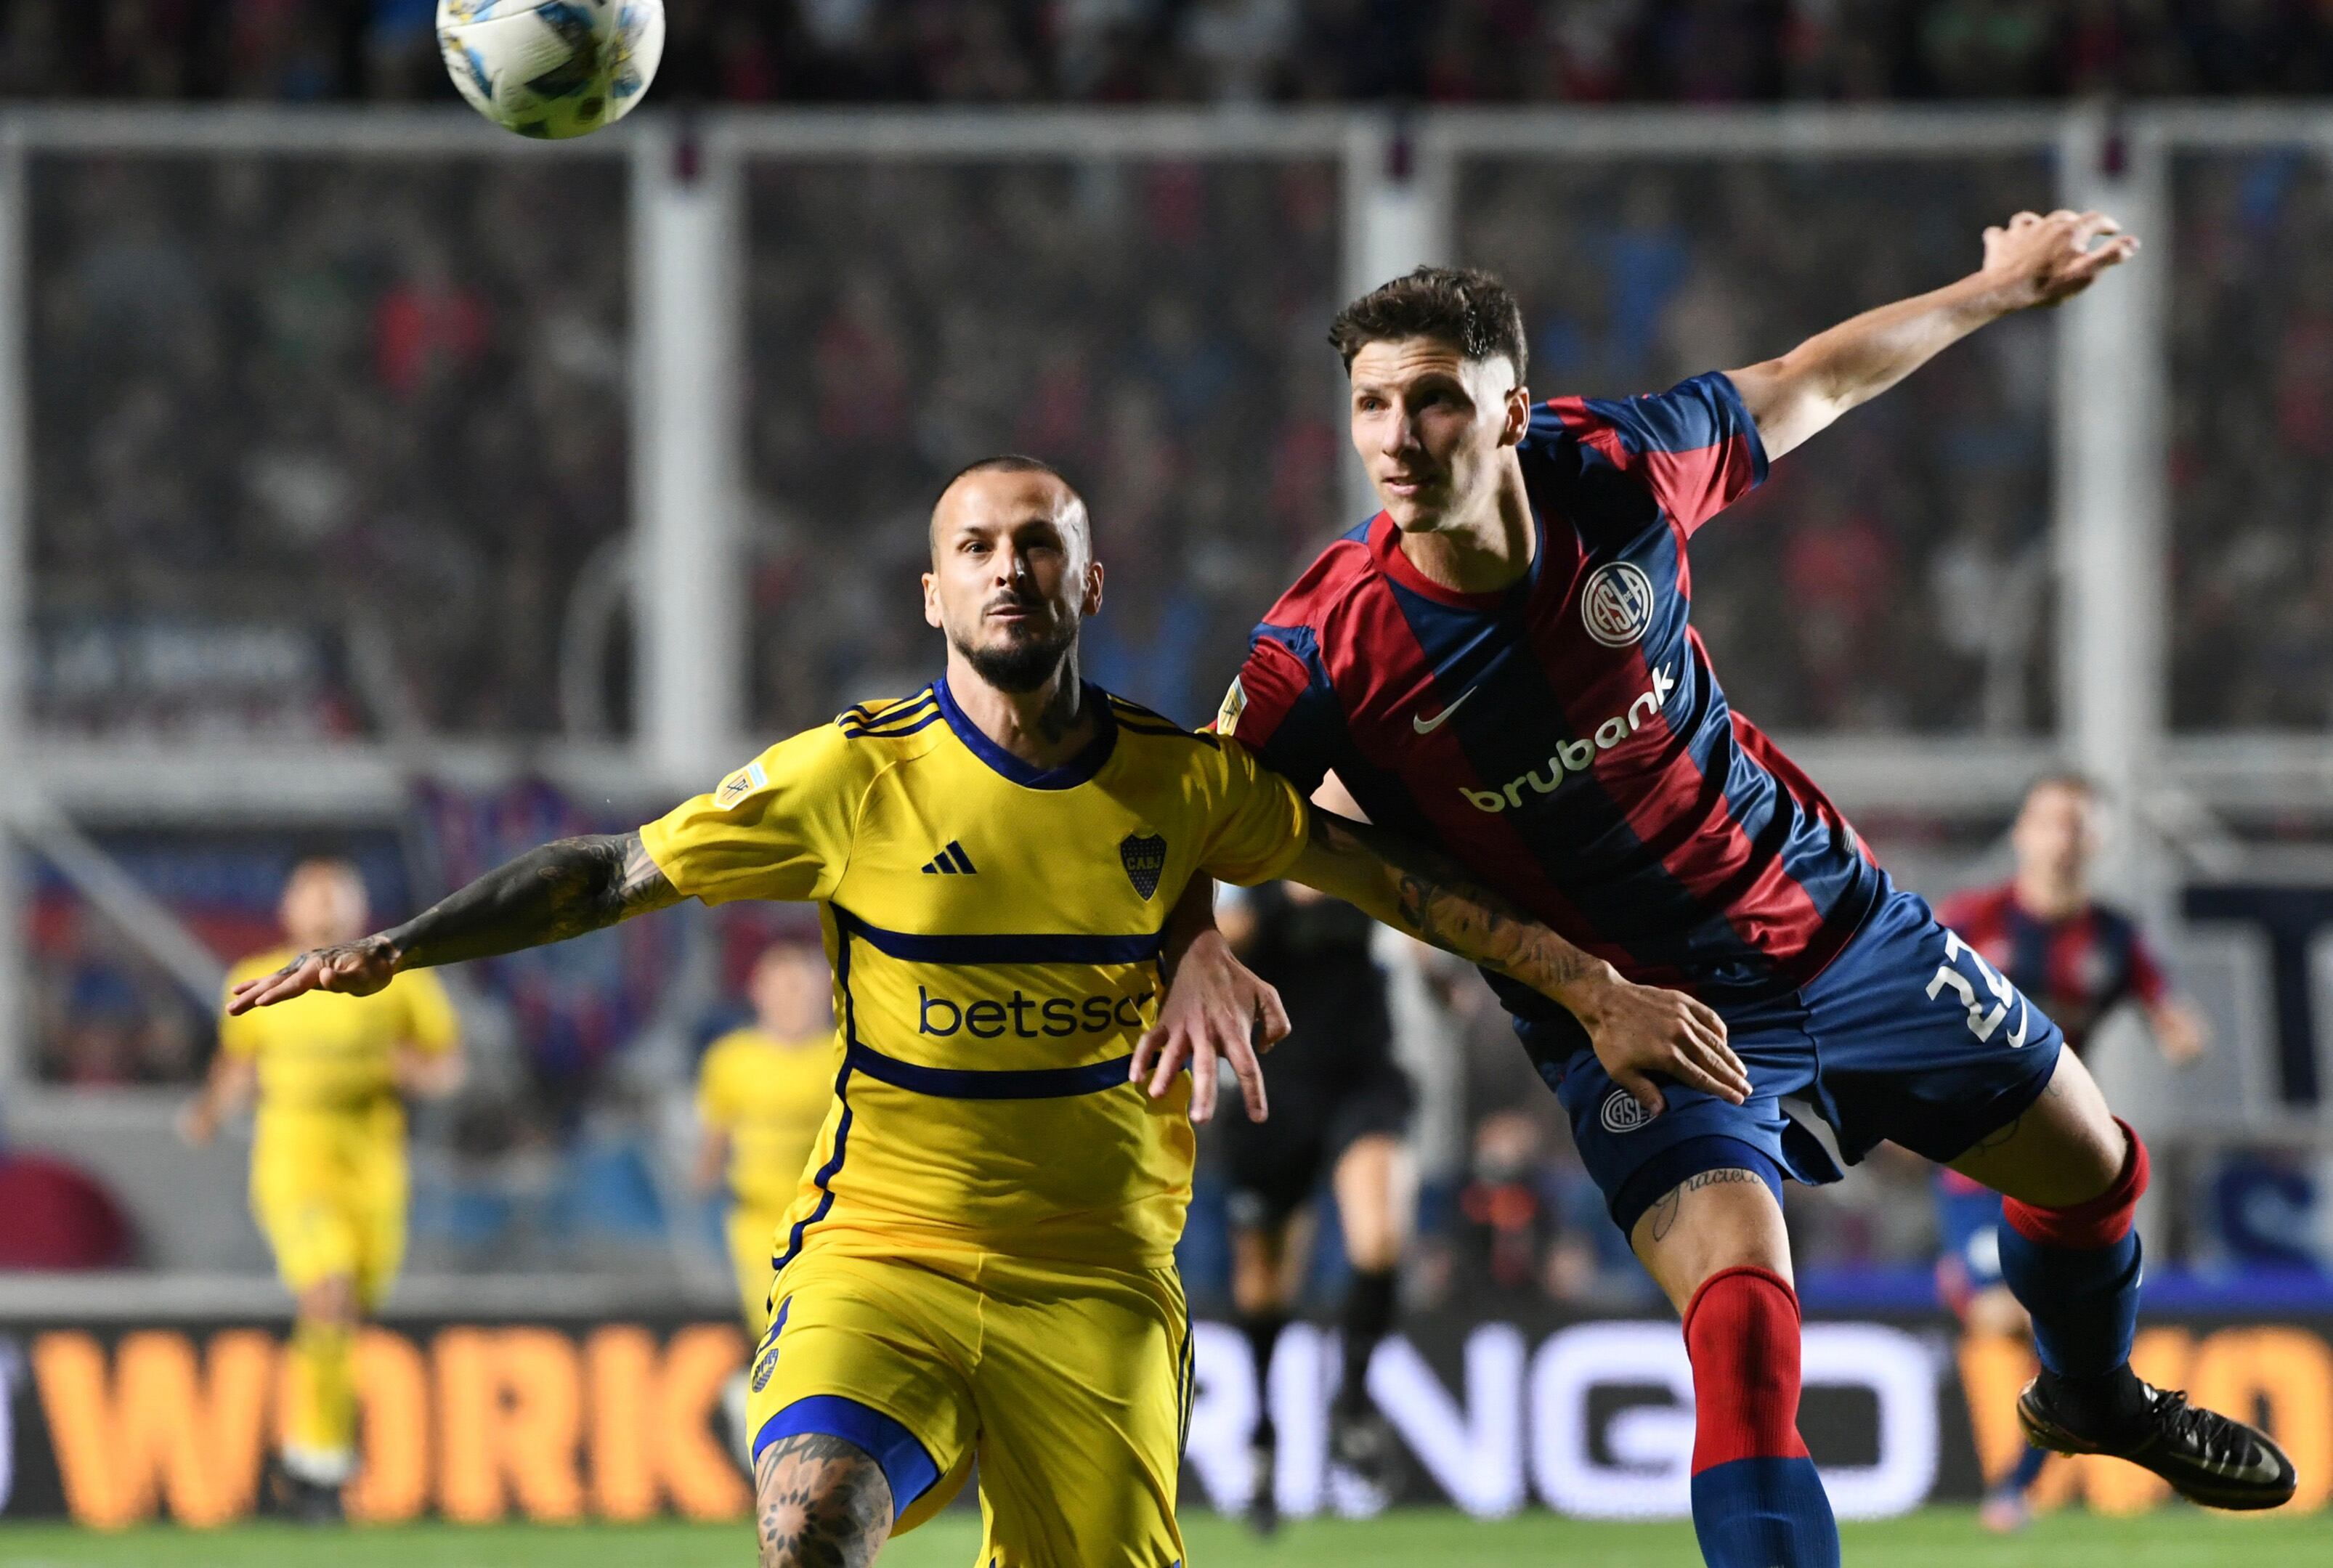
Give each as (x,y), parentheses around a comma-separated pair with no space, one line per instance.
(551,68)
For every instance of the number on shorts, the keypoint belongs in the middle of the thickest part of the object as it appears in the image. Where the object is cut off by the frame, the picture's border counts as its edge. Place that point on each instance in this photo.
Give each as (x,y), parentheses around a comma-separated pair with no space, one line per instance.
(1981,1023)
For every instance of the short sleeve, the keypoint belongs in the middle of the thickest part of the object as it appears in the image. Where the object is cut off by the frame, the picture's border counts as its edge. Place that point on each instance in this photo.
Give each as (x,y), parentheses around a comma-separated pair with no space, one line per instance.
(1693,448)
(431,1024)
(779,827)
(715,1097)
(1277,710)
(240,1038)
(1257,826)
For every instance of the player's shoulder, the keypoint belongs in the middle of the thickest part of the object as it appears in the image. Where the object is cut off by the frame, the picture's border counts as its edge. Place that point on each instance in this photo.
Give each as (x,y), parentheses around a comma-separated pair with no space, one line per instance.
(728,1050)
(2113,923)
(1345,566)
(884,721)
(860,741)
(1974,906)
(1147,727)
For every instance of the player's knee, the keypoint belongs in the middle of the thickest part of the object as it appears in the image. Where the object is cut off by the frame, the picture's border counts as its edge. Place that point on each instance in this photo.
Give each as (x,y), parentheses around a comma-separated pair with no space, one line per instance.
(329,1302)
(820,1502)
(2101,1219)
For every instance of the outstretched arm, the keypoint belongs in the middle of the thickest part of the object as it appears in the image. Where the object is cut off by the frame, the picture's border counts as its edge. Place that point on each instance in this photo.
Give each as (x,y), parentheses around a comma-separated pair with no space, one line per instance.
(1638,1031)
(2030,261)
(563,889)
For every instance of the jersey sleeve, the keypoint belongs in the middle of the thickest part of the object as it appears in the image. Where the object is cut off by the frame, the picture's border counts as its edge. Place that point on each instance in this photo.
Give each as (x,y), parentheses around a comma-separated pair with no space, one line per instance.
(1693,450)
(1282,710)
(241,1037)
(717,1099)
(431,1025)
(779,827)
(1256,828)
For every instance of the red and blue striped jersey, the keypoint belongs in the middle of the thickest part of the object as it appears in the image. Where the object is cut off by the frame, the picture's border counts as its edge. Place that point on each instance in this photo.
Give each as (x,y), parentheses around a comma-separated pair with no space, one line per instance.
(2078,968)
(1565,738)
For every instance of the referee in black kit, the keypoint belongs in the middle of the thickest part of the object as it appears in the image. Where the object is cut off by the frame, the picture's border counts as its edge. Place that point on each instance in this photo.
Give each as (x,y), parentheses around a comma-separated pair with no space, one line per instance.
(1340,1107)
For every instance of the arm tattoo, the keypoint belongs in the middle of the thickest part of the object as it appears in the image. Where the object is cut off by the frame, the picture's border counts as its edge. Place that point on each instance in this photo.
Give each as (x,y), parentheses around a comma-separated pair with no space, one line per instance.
(821,1502)
(1436,902)
(548,895)
(1665,1212)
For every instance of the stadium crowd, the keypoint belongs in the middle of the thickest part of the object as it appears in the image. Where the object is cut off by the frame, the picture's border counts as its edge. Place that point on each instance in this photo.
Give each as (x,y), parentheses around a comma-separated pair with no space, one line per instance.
(2253,444)
(320,448)
(1132,51)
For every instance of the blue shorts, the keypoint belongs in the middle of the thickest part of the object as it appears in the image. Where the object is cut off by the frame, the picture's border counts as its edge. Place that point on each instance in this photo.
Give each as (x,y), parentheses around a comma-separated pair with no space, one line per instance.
(1908,1036)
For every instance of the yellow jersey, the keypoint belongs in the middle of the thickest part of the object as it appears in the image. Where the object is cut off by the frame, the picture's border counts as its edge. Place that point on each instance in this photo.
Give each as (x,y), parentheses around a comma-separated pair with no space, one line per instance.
(995,932)
(325,1052)
(770,1096)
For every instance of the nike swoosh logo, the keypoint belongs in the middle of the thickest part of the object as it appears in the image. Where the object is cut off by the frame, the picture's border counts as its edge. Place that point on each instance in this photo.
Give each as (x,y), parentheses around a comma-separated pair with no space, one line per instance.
(1427,726)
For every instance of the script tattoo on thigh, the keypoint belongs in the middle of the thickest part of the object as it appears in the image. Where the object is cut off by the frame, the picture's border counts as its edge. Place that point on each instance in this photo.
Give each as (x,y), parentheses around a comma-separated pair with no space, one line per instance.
(823,1502)
(1665,1212)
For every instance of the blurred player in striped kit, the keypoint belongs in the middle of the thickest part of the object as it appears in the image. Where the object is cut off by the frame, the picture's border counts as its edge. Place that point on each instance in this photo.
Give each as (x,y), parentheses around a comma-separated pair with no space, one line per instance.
(2081,959)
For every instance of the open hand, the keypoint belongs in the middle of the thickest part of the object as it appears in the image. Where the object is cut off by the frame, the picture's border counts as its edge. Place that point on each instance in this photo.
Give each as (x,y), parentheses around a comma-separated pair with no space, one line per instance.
(1215,1009)
(1644,1032)
(355,969)
(2046,261)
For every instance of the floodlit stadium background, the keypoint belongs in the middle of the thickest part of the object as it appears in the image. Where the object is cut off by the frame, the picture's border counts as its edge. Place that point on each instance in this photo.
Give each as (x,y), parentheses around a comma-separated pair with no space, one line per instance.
(372,480)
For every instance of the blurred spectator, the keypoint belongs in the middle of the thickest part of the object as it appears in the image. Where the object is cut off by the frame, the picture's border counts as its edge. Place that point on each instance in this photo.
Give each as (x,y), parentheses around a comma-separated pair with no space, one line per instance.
(2251,570)
(320,448)
(1117,51)
(1835,597)
(1138,322)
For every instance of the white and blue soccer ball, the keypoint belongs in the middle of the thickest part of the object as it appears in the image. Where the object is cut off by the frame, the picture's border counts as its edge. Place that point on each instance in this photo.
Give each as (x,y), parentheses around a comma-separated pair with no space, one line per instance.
(551,68)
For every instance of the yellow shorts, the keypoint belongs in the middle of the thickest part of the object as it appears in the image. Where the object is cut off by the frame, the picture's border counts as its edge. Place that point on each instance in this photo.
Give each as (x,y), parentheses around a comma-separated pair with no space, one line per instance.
(1070,1383)
(752,1232)
(331,1203)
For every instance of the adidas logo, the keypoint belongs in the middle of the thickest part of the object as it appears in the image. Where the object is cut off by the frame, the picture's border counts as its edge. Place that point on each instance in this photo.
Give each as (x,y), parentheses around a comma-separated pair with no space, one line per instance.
(950,862)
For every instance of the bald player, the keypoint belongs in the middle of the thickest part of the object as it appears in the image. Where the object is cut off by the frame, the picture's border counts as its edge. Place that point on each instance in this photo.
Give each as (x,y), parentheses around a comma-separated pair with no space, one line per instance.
(1011,871)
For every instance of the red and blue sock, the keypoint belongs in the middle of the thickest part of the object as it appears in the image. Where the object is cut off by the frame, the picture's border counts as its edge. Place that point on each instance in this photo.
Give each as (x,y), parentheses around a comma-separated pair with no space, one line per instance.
(2077,1270)
(1757,1501)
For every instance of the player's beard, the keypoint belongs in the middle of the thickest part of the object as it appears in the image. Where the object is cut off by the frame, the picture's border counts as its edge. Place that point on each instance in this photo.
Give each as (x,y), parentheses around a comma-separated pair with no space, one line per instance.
(1025,663)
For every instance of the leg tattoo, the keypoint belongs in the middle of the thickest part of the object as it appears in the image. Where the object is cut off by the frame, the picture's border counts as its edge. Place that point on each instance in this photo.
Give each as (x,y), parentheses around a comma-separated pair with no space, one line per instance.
(820,1502)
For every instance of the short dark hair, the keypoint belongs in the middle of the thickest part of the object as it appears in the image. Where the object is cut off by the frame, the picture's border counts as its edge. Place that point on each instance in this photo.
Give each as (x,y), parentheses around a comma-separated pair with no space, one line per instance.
(1007,462)
(1469,310)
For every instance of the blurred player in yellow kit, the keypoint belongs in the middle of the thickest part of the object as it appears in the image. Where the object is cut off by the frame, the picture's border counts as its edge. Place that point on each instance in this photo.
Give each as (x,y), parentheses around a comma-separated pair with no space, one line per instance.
(1011,867)
(327,1166)
(762,1095)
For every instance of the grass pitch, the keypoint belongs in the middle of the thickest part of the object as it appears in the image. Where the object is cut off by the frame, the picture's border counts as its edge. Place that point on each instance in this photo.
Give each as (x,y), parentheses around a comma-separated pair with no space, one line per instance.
(1940,1538)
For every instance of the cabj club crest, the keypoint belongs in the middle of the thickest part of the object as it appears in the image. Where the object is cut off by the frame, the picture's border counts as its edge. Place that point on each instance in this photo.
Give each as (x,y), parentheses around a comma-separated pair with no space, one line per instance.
(1144,855)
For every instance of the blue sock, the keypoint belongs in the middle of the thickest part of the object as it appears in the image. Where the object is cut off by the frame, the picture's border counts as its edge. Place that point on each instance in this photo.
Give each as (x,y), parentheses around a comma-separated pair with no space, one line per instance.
(2020,1479)
(1764,1513)
(2084,1301)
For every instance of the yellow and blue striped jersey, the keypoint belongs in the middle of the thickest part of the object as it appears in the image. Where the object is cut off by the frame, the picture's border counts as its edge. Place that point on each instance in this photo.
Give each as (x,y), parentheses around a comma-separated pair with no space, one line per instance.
(995,932)
(325,1052)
